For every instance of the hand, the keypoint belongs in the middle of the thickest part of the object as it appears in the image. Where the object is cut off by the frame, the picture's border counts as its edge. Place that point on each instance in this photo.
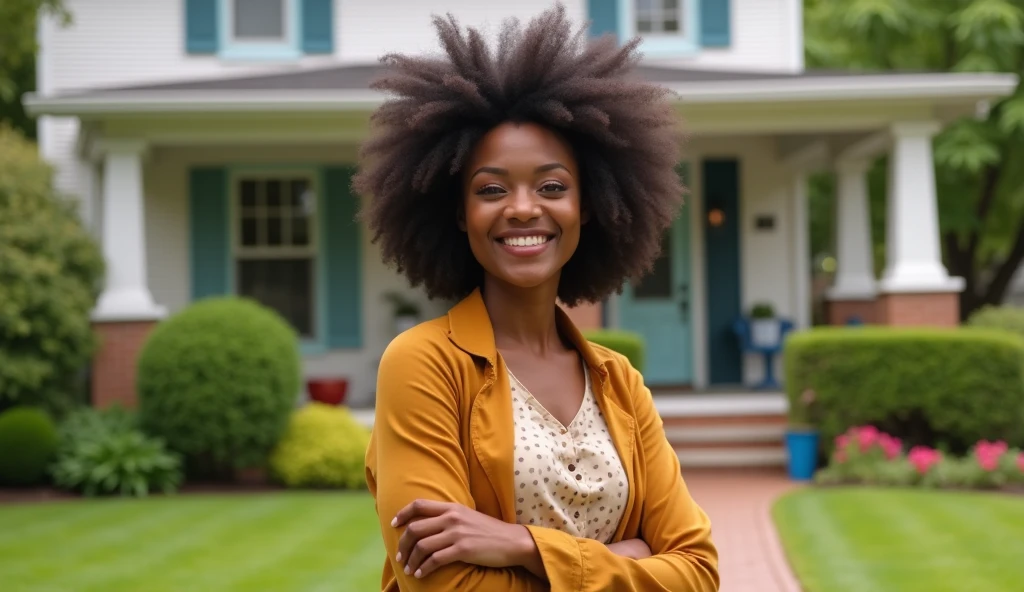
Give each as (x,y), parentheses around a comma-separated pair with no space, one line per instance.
(439,533)
(632,548)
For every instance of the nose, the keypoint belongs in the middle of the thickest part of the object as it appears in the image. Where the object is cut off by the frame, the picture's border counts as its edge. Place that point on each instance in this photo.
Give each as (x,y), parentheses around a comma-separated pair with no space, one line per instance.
(523,205)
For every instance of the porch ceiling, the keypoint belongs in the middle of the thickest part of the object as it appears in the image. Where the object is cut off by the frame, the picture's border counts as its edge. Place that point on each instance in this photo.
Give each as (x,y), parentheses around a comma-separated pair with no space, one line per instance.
(334,103)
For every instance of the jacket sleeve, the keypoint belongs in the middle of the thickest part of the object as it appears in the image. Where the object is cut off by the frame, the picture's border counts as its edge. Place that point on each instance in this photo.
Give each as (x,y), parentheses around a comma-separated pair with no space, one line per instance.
(677,530)
(416,453)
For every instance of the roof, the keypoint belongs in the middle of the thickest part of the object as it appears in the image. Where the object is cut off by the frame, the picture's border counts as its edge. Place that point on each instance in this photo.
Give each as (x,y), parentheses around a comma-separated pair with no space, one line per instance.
(346,88)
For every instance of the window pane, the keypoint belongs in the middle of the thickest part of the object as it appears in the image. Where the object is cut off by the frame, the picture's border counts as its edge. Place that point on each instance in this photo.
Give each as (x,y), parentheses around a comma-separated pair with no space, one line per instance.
(300,231)
(671,26)
(248,193)
(658,283)
(275,230)
(259,19)
(285,285)
(643,26)
(670,5)
(274,194)
(248,231)
(646,6)
(299,197)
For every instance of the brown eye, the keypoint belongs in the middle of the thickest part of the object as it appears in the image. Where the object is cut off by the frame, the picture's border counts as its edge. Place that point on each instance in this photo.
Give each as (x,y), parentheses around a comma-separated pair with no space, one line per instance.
(552,187)
(490,190)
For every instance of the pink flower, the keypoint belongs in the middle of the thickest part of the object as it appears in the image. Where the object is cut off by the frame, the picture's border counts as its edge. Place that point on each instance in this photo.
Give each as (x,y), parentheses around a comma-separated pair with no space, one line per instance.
(890,446)
(923,458)
(867,436)
(988,453)
(841,441)
(1020,462)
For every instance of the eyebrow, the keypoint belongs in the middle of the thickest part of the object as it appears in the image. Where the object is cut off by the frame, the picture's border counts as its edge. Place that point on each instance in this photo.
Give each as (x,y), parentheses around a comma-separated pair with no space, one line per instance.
(504,172)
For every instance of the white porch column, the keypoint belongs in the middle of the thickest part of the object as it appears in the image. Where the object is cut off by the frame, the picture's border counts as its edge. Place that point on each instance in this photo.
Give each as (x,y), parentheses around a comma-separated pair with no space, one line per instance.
(855,275)
(126,296)
(914,257)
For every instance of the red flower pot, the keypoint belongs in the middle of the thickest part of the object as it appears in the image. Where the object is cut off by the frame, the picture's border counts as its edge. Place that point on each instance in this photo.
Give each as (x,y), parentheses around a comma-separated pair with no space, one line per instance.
(329,391)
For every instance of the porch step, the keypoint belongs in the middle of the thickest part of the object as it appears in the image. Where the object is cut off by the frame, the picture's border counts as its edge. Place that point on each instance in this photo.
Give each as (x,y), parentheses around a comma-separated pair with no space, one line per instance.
(726,430)
(716,430)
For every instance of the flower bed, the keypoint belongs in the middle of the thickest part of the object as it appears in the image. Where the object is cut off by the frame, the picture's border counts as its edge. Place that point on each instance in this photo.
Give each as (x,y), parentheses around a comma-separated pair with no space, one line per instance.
(866,455)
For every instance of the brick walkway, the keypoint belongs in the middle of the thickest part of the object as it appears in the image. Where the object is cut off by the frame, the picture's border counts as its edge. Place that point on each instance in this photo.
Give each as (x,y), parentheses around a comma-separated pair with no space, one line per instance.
(739,503)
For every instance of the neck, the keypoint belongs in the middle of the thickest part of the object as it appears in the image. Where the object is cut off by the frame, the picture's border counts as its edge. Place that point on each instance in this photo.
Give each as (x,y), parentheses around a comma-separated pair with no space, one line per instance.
(523,318)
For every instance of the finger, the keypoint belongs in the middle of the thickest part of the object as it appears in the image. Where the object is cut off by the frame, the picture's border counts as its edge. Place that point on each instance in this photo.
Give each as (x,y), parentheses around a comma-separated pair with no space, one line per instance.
(439,559)
(417,529)
(420,507)
(425,548)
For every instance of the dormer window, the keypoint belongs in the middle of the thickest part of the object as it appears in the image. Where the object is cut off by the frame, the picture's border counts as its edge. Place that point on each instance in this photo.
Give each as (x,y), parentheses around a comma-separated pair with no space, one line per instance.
(659,16)
(259,29)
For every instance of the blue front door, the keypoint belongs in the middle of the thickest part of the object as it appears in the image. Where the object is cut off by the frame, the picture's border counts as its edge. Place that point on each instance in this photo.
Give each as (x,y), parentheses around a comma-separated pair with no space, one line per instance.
(658,307)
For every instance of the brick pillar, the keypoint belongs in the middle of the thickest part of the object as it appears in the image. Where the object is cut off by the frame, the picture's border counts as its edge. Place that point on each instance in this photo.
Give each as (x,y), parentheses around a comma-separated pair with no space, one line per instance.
(841,311)
(113,367)
(940,309)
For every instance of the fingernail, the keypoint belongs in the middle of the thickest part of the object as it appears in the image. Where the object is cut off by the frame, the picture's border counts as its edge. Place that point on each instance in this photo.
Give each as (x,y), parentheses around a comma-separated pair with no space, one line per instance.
(419,573)
(399,556)
(394,521)
(406,570)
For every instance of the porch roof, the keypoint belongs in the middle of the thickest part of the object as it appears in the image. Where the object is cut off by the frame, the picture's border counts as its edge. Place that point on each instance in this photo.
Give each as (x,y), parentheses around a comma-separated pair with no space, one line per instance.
(346,88)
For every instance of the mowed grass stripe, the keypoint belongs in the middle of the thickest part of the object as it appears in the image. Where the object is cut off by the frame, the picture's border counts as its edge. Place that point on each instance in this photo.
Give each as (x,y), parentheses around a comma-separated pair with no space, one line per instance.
(903,539)
(810,528)
(359,572)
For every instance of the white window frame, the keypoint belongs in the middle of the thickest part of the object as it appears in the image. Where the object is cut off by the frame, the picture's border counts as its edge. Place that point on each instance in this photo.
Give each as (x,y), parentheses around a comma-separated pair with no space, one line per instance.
(311,251)
(684,43)
(288,47)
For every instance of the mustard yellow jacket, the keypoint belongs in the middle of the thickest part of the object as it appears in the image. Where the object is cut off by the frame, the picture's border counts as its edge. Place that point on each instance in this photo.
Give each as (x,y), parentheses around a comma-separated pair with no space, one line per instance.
(443,431)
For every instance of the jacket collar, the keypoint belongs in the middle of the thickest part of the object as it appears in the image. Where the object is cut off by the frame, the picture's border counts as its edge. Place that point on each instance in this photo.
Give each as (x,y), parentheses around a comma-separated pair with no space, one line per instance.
(470,328)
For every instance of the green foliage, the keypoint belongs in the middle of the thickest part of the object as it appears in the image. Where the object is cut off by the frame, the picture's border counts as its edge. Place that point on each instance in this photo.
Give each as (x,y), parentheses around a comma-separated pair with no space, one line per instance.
(88,423)
(218,381)
(1006,318)
(762,311)
(324,446)
(18,36)
(627,343)
(925,386)
(981,193)
(28,440)
(50,275)
(123,462)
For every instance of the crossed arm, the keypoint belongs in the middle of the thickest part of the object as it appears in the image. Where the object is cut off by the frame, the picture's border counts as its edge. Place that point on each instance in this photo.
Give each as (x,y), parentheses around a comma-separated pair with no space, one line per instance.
(454,547)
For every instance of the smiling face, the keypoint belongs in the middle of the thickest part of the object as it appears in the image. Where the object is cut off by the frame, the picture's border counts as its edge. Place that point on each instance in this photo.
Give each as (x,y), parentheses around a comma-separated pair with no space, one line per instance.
(522,205)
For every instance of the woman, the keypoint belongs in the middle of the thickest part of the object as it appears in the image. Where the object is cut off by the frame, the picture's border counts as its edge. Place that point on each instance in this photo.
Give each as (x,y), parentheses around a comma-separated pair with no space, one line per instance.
(508,453)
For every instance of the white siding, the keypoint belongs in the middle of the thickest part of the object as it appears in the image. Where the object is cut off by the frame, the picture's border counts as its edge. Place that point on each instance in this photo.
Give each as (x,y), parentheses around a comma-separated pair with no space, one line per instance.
(765,35)
(167,248)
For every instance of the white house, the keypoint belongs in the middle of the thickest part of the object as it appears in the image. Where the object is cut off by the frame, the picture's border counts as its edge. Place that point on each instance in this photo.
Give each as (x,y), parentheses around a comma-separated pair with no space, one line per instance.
(211,143)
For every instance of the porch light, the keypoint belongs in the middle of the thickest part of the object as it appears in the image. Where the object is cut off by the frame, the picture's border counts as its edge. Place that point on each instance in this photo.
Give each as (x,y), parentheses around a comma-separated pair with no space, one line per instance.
(716,217)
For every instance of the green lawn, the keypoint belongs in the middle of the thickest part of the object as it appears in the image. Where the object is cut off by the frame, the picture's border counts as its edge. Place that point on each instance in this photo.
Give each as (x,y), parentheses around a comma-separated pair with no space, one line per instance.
(266,541)
(867,540)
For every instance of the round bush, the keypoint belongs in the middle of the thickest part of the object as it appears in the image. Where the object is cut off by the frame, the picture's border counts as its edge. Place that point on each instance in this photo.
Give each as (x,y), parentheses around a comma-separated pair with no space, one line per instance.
(28,441)
(217,382)
(627,343)
(51,272)
(324,446)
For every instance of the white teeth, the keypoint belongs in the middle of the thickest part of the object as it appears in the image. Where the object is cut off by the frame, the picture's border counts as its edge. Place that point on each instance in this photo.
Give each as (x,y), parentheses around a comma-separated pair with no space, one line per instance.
(525,241)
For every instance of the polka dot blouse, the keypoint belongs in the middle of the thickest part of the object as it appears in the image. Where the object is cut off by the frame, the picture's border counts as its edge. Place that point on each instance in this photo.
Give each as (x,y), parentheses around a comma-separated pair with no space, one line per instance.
(566,477)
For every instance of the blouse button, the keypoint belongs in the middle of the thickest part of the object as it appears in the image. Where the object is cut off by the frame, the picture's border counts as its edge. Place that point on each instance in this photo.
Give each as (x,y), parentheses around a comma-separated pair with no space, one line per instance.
(572,467)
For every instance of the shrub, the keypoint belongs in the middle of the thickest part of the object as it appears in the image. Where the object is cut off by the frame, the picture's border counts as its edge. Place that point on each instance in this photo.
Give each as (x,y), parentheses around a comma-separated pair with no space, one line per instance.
(1003,318)
(926,386)
(324,446)
(626,343)
(50,276)
(89,423)
(28,440)
(217,382)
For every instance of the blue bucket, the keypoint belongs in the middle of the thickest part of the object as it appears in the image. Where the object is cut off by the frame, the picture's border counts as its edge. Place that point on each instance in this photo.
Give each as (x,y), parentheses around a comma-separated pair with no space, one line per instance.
(802,450)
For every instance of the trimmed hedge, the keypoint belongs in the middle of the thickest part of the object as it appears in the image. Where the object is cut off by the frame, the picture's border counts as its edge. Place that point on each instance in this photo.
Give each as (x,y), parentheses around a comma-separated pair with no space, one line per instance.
(626,343)
(942,387)
(28,441)
(1002,318)
(324,447)
(218,381)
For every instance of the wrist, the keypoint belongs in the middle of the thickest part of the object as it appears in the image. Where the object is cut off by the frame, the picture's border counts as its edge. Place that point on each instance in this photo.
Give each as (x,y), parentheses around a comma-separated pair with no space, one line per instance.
(522,545)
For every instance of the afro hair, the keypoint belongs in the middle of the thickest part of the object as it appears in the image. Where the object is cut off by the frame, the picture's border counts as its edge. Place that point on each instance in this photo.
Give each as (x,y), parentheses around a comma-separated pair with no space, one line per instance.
(622,132)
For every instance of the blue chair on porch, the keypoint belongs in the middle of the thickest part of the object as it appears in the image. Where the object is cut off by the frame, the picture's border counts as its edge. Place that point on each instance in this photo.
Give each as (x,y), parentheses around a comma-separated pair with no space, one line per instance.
(742,328)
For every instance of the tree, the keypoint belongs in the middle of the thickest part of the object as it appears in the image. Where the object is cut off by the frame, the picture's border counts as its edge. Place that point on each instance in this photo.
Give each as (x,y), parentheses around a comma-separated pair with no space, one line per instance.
(18,49)
(980,189)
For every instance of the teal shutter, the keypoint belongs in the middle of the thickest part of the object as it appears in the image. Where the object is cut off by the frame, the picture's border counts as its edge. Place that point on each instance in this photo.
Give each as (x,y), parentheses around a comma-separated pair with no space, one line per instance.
(340,247)
(714,23)
(201,26)
(604,17)
(318,26)
(209,229)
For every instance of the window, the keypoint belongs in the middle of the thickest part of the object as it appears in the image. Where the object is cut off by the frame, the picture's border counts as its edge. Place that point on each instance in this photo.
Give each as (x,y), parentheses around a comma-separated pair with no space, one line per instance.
(659,16)
(258,20)
(275,245)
